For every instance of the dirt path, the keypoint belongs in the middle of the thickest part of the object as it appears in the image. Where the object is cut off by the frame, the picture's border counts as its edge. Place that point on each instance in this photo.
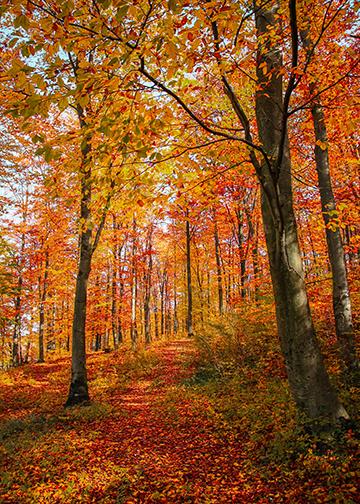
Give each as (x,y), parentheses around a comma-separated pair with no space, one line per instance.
(150,439)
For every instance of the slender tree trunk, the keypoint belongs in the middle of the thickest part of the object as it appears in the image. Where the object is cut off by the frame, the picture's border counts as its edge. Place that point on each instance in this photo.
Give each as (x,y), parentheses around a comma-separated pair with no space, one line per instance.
(199,279)
(167,308)
(255,261)
(133,328)
(189,317)
(162,289)
(114,315)
(121,293)
(307,375)
(120,312)
(68,324)
(78,387)
(218,268)
(16,343)
(42,295)
(241,240)
(147,286)
(156,320)
(176,320)
(208,288)
(253,237)
(106,309)
(341,295)
(114,283)
(312,244)
(78,392)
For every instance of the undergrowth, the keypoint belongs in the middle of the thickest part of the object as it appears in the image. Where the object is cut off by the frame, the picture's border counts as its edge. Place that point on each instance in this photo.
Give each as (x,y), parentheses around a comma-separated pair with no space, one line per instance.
(240,369)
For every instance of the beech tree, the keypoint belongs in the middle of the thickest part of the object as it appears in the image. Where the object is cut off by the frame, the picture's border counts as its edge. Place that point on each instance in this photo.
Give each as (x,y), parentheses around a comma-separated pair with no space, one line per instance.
(341,295)
(307,375)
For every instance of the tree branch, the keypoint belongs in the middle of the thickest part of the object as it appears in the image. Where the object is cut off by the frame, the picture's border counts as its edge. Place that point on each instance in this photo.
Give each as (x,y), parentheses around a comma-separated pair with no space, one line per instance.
(292,81)
(201,123)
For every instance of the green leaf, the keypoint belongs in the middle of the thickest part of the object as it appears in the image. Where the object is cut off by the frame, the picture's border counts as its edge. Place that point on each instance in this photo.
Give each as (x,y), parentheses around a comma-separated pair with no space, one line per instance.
(21,22)
(83,100)
(37,139)
(121,12)
(63,103)
(172,5)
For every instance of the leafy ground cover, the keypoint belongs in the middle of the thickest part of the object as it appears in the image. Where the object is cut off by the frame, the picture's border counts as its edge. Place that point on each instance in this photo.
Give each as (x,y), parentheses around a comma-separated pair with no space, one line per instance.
(177,423)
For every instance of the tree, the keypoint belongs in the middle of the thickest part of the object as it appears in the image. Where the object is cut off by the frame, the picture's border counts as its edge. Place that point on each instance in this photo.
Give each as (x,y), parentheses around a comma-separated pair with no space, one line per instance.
(341,295)
(308,379)
(307,375)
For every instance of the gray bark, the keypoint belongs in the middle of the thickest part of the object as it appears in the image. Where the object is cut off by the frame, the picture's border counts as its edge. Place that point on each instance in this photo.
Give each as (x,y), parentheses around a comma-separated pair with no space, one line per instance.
(341,295)
(240,240)
(176,320)
(147,285)
(78,392)
(340,288)
(42,295)
(307,375)
(218,268)
(114,282)
(16,343)
(189,317)
(133,327)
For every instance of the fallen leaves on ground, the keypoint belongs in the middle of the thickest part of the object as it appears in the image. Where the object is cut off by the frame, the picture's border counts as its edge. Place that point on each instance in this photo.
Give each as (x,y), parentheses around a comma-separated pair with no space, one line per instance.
(147,437)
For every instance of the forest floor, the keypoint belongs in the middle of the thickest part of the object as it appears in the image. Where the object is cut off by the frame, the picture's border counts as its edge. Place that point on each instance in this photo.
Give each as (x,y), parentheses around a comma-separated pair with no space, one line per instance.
(153,433)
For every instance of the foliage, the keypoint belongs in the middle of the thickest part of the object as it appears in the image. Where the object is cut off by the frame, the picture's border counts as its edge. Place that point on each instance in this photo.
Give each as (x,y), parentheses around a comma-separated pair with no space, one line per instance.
(132,146)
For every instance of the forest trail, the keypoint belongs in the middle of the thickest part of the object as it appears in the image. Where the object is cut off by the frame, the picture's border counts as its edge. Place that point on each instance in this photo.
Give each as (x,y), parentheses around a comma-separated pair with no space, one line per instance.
(151,435)
(145,438)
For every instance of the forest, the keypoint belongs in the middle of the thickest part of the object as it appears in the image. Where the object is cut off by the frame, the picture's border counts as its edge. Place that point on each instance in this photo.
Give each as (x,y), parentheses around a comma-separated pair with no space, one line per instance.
(179,251)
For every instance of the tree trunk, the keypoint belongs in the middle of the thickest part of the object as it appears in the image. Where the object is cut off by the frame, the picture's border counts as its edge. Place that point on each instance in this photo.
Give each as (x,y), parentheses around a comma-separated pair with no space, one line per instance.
(78,387)
(16,343)
(240,240)
(133,327)
(200,282)
(156,320)
(341,295)
(114,317)
(218,268)
(121,292)
(307,375)
(120,311)
(176,320)
(147,286)
(114,269)
(68,324)
(167,308)
(78,392)
(42,295)
(106,346)
(253,238)
(208,289)
(189,317)
(162,293)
